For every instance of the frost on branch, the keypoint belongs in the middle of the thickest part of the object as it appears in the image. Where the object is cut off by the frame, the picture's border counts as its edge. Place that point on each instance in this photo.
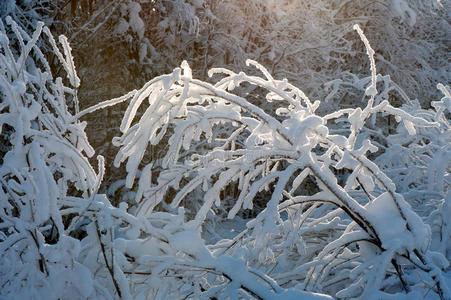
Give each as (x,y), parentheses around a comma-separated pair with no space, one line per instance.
(219,141)
(58,236)
(328,219)
(44,160)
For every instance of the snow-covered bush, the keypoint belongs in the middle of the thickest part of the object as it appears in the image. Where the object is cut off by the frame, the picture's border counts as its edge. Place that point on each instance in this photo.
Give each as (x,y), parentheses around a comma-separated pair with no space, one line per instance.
(324,217)
(308,42)
(356,238)
(59,238)
(419,159)
(44,161)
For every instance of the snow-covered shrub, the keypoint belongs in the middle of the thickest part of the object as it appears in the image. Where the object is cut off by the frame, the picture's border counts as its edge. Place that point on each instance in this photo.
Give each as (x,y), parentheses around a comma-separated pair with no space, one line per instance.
(49,201)
(308,42)
(327,218)
(419,159)
(45,161)
(441,174)
(355,238)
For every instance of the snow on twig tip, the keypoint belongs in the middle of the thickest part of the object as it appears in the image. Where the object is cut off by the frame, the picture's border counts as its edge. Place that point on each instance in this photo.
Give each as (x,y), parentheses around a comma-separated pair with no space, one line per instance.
(371,90)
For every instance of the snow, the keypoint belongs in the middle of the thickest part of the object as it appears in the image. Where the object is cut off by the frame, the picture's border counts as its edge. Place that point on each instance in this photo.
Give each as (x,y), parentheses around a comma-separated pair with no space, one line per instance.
(390,226)
(135,21)
(324,213)
(189,242)
(296,294)
(122,26)
(402,10)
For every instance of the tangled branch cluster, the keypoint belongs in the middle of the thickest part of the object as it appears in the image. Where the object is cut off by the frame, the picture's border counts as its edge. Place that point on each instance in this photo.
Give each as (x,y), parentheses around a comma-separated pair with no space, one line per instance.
(327,218)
